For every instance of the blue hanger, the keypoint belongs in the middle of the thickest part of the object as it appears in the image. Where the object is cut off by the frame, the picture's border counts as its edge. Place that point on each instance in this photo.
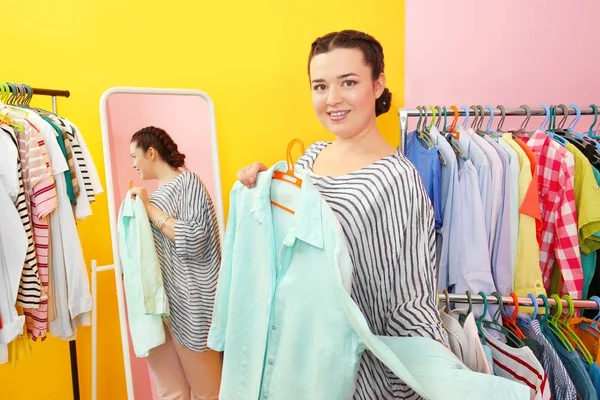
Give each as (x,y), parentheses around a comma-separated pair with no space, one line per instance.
(535,305)
(592,327)
(571,127)
(547,118)
(466,121)
(488,127)
(550,132)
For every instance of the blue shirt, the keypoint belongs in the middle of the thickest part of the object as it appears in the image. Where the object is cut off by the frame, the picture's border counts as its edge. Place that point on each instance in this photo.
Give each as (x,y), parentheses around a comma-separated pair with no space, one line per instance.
(284,316)
(142,279)
(427,163)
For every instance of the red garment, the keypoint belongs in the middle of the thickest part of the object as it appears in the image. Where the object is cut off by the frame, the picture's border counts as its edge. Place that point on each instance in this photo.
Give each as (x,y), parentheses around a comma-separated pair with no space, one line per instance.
(560,244)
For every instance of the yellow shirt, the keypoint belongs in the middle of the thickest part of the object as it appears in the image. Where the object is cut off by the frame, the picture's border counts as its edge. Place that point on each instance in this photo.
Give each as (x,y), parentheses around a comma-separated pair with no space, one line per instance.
(528,276)
(587,200)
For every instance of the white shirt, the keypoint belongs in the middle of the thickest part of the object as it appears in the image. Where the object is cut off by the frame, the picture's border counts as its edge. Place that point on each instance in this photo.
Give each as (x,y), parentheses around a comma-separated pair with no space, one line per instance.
(89,161)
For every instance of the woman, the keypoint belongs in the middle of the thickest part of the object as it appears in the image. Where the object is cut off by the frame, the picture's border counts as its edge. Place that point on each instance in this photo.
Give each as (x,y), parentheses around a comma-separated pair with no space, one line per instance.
(378,197)
(186,235)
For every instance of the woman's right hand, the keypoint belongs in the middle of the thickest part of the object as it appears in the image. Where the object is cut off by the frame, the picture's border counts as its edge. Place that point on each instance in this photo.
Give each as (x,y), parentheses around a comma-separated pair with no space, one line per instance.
(247,175)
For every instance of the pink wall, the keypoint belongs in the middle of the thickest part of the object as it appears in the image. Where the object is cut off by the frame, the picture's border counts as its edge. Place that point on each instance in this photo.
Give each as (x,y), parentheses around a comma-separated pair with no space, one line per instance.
(508,52)
(187,120)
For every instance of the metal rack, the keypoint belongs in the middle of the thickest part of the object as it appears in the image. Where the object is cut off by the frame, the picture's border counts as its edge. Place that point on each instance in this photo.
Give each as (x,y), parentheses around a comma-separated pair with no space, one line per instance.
(405,113)
(507,300)
(72,343)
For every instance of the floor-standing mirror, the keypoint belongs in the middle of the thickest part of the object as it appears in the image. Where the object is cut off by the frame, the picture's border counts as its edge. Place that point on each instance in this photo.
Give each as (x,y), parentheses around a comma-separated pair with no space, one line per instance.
(188,116)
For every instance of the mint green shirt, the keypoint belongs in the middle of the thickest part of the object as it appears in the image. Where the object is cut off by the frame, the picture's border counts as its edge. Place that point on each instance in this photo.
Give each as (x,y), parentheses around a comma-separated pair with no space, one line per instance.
(286,322)
(144,291)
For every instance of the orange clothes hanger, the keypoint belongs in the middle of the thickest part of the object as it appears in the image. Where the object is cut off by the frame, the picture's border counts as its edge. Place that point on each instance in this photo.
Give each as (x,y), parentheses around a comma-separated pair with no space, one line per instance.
(288,175)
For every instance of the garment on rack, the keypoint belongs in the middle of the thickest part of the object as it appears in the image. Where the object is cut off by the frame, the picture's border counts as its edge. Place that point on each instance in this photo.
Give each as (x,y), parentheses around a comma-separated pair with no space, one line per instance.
(427,163)
(527,279)
(556,170)
(520,365)
(560,383)
(146,297)
(38,159)
(449,201)
(259,317)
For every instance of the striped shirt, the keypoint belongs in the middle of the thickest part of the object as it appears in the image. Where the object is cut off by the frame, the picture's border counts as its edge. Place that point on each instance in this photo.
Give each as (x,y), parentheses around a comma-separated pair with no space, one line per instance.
(190,264)
(387,219)
(31,163)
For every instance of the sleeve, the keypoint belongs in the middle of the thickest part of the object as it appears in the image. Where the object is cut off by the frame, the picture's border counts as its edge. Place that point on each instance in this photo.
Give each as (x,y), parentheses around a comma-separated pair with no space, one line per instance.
(89,161)
(566,239)
(416,312)
(195,229)
(218,328)
(155,299)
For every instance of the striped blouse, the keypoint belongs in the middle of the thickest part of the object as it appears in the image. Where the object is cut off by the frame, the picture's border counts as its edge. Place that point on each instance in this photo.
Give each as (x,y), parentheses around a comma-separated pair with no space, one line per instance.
(190,264)
(387,219)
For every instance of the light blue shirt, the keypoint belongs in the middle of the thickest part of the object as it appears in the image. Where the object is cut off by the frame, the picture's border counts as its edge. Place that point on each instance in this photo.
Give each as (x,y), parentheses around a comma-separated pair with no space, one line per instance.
(142,279)
(450,200)
(284,317)
(514,170)
(501,252)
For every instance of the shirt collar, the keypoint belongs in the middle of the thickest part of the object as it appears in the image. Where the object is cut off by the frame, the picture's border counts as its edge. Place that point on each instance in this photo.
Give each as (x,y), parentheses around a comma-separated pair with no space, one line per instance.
(307,224)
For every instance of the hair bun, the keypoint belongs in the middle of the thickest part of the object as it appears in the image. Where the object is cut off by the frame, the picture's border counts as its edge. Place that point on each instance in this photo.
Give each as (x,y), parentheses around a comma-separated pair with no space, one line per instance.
(383,103)
(177,160)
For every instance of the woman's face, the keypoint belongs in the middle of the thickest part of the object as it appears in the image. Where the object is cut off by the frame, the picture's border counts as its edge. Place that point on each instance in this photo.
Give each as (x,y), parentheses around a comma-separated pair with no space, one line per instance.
(343,92)
(143,161)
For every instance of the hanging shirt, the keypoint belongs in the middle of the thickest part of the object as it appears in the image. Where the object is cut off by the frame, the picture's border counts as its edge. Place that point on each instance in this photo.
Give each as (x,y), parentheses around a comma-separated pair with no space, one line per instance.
(513,200)
(145,294)
(475,272)
(501,252)
(450,231)
(87,157)
(560,243)
(492,210)
(427,163)
(534,187)
(587,200)
(29,166)
(13,248)
(296,296)
(528,277)
(575,367)
(520,365)
(482,165)
(561,385)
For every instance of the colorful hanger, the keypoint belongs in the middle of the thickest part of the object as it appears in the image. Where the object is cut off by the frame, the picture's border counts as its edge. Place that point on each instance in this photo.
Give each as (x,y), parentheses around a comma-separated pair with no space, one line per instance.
(554,326)
(564,326)
(535,305)
(288,175)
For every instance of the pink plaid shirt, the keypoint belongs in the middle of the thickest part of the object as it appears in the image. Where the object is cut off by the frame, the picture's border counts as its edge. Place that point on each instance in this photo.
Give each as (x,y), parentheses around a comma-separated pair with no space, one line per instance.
(560,245)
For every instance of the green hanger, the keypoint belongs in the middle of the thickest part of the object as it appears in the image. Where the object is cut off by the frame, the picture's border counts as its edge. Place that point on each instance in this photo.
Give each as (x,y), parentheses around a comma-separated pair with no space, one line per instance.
(496,325)
(554,326)
(595,108)
(445,116)
(480,319)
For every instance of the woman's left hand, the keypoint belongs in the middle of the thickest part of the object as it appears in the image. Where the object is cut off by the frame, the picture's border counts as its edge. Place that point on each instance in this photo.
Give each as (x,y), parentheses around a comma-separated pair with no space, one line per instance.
(141,193)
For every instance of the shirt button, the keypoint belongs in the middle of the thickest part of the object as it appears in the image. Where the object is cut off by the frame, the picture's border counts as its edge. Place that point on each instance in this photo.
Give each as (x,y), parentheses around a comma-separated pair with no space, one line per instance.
(270,362)
(273,327)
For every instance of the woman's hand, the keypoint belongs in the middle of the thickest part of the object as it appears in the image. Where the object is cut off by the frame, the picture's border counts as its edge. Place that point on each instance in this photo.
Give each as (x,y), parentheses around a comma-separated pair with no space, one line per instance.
(247,175)
(141,193)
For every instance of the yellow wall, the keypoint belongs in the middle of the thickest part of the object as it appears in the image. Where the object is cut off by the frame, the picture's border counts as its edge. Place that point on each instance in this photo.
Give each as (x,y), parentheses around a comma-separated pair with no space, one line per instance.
(250,57)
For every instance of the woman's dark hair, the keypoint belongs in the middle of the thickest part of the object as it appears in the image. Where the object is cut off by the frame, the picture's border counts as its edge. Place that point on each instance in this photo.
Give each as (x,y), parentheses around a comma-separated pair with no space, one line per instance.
(372,54)
(159,140)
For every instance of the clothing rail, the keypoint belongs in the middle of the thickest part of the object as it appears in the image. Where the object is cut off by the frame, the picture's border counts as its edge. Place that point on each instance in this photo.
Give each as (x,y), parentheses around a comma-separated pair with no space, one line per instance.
(507,300)
(404,113)
(72,343)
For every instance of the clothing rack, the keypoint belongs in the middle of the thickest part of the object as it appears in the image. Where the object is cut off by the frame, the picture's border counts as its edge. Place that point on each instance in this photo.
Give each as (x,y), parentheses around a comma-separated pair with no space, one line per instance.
(507,300)
(72,343)
(404,113)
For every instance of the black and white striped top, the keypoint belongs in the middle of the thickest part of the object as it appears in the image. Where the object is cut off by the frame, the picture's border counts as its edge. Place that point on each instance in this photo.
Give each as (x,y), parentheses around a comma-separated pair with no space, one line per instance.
(190,264)
(388,222)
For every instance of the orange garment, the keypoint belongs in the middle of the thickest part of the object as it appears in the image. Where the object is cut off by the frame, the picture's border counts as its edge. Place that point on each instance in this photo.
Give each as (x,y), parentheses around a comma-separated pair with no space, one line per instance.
(590,341)
(531,204)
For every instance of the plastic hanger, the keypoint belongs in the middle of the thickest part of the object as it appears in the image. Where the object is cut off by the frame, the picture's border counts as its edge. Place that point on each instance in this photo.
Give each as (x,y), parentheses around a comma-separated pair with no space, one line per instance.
(562,141)
(445,110)
(595,108)
(592,326)
(467,113)
(288,175)
(447,295)
(497,326)
(511,322)
(552,322)
(480,319)
(418,127)
(498,130)
(573,123)
(433,118)
(488,127)
(439,120)
(535,305)
(544,125)
(568,332)
(476,119)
